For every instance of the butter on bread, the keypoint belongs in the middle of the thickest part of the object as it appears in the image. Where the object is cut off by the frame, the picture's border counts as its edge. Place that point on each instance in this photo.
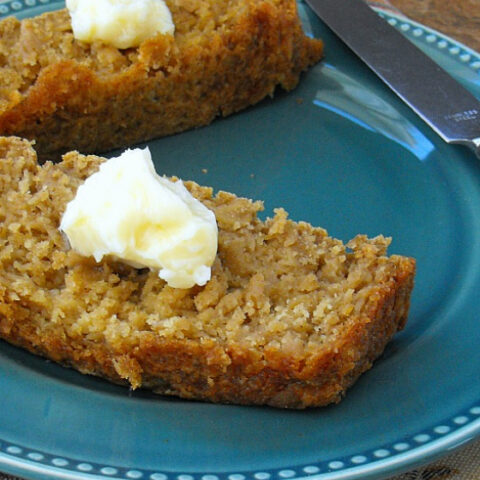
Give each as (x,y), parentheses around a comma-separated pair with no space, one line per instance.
(290,318)
(128,211)
(69,95)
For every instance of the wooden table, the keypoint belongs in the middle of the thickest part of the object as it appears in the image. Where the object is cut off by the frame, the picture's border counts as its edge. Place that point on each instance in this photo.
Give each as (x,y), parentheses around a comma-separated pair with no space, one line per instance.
(459,19)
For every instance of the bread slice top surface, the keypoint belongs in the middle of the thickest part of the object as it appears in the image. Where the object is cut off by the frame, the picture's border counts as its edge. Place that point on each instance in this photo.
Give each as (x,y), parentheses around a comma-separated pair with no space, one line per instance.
(31,45)
(276,284)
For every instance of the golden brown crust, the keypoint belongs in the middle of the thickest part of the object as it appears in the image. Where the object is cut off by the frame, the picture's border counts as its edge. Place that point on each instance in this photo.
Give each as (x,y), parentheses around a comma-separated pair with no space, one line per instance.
(290,318)
(67,95)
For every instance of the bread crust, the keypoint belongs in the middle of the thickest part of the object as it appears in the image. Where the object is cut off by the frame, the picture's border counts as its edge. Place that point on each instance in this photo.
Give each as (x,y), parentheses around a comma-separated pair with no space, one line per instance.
(167,85)
(233,375)
(208,367)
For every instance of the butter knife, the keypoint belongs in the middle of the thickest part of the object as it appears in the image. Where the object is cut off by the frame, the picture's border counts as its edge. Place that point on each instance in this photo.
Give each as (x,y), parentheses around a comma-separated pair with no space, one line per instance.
(451,110)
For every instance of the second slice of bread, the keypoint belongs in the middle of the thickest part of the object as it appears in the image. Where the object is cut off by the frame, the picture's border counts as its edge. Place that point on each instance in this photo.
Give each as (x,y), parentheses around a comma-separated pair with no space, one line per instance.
(69,95)
(290,318)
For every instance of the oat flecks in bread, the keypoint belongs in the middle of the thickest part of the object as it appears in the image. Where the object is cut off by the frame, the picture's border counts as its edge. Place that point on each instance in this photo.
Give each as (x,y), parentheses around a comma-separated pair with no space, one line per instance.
(69,95)
(290,318)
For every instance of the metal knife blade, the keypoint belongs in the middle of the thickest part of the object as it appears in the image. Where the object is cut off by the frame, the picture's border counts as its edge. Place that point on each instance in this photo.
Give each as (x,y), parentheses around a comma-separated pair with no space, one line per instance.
(452,111)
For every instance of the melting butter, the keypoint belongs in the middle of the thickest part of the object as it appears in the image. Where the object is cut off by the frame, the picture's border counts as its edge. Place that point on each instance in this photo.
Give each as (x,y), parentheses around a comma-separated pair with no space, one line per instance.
(119,23)
(130,212)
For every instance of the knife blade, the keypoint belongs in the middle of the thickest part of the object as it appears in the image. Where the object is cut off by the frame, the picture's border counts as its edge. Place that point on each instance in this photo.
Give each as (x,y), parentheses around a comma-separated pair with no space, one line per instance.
(451,110)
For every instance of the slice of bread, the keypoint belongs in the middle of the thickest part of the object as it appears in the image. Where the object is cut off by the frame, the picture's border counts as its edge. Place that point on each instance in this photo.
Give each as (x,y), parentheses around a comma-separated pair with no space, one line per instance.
(290,318)
(69,95)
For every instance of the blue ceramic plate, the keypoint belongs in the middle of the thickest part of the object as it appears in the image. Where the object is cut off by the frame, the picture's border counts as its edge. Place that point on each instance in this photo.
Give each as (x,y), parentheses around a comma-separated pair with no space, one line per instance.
(341,152)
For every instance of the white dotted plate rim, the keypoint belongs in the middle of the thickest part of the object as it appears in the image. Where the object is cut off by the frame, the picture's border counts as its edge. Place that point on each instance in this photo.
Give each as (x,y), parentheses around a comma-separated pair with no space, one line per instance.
(406,453)
(465,55)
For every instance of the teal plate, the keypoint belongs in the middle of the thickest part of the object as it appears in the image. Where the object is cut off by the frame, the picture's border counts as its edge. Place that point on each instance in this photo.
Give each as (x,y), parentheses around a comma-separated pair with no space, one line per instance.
(342,152)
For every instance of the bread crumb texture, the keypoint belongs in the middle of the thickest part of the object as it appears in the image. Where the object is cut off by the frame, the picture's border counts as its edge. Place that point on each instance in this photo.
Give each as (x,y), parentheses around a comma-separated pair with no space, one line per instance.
(290,318)
(70,95)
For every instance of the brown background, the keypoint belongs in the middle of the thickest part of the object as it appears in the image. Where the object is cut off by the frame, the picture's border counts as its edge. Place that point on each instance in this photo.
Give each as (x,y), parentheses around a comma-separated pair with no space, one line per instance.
(459,19)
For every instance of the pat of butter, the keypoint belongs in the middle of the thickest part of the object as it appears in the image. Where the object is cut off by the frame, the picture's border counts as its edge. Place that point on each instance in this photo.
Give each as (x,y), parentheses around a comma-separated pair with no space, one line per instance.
(119,23)
(130,212)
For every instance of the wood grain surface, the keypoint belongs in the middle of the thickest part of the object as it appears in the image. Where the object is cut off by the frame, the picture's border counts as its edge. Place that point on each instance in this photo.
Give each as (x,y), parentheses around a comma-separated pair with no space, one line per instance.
(459,19)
